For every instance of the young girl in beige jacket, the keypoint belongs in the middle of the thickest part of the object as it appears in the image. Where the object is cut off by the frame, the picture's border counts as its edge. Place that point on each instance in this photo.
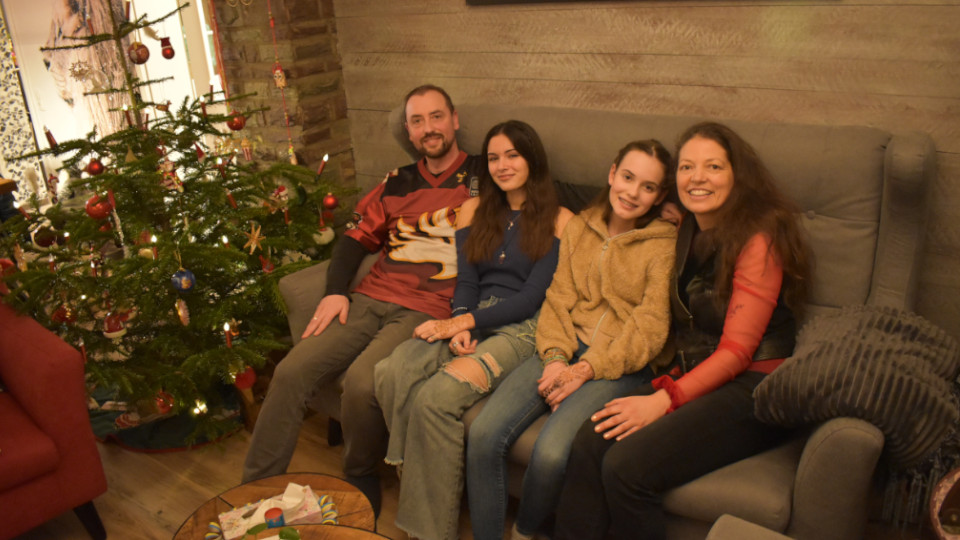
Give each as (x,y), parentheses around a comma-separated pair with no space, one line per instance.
(605,319)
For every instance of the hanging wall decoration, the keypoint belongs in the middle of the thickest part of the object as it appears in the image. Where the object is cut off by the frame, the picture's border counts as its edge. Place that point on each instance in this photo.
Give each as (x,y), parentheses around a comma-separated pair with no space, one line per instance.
(17,136)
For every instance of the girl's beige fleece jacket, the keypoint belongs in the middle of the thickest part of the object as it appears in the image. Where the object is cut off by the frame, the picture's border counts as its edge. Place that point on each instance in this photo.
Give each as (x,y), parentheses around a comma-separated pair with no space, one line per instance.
(612,293)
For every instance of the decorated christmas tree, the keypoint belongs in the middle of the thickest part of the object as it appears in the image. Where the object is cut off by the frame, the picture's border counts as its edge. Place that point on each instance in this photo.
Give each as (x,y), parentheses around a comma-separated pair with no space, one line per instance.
(160,264)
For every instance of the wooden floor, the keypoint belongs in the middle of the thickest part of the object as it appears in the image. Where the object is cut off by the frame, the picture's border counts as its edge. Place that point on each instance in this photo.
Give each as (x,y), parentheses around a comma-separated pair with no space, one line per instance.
(150,495)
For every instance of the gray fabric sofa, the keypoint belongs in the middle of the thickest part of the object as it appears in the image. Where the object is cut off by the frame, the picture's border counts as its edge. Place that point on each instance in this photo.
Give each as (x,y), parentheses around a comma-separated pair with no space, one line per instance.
(862,194)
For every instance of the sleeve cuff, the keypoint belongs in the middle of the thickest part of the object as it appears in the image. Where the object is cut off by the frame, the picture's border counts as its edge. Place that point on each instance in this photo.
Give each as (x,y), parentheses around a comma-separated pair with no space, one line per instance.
(676,395)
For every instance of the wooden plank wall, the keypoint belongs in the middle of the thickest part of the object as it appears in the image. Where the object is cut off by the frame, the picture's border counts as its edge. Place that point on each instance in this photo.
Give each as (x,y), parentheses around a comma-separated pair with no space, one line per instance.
(883,63)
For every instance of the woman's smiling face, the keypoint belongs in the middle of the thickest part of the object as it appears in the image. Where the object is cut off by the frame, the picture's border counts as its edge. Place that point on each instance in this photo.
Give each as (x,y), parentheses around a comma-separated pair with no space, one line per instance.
(704,179)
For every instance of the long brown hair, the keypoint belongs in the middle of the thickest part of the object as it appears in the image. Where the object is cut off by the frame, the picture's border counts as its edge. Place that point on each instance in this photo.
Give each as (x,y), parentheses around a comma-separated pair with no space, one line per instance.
(654,149)
(539,212)
(755,205)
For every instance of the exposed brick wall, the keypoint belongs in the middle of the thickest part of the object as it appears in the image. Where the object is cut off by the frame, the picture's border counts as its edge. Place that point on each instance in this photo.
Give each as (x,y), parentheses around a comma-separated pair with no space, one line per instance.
(306,34)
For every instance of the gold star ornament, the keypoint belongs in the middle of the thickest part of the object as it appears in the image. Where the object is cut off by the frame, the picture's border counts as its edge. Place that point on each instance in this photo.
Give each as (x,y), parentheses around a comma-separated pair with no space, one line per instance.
(254,238)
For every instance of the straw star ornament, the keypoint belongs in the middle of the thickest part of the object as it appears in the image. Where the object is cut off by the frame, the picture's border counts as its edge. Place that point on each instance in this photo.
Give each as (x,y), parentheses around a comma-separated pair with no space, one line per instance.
(254,238)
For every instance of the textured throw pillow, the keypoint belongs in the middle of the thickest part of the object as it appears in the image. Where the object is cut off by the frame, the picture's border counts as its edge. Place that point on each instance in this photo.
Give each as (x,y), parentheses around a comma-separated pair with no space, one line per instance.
(889,367)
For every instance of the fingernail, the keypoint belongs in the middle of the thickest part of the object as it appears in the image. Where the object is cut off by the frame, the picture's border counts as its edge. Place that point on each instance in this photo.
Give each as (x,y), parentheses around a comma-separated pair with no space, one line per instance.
(593,418)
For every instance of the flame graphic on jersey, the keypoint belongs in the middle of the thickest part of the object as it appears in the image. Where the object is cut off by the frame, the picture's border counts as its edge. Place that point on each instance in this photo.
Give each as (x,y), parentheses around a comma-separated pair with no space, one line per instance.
(430,241)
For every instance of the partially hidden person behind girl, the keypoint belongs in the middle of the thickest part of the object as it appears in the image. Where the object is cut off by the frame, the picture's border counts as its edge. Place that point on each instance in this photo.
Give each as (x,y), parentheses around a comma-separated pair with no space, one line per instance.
(743,268)
(507,244)
(605,318)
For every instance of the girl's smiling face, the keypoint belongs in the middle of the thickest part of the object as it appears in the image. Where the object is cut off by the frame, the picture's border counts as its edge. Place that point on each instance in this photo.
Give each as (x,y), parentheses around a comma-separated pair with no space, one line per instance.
(635,187)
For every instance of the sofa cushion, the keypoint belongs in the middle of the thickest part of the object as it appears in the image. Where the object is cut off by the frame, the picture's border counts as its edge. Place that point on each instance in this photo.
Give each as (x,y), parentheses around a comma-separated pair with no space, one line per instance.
(25,451)
(889,367)
(758,489)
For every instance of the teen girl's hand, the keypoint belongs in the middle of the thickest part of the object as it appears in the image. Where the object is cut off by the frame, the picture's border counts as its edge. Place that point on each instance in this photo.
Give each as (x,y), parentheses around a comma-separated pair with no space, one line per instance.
(443,328)
(550,372)
(567,383)
(628,414)
(461,344)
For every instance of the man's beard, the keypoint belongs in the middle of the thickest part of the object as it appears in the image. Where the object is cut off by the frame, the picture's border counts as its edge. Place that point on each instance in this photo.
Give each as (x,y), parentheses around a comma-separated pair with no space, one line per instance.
(445,147)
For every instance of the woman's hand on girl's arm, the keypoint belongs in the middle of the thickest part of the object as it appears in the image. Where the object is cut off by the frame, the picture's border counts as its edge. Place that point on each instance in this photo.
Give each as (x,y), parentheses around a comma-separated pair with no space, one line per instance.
(443,328)
(628,414)
(461,343)
(567,382)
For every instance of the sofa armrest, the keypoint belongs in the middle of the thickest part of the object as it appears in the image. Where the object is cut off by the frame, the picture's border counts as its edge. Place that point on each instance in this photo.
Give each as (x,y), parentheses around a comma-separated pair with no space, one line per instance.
(909,167)
(733,528)
(303,290)
(833,480)
(43,374)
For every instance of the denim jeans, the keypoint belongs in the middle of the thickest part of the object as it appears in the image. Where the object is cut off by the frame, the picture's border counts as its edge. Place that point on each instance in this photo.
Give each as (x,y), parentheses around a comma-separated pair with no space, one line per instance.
(511,409)
(423,403)
(373,330)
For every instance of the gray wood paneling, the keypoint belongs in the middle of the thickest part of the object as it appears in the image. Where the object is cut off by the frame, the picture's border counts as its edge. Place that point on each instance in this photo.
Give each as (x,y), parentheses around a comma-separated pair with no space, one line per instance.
(886,63)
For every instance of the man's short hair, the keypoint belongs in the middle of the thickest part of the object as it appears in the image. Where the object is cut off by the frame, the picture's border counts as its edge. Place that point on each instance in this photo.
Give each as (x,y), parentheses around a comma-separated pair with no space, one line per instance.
(423,89)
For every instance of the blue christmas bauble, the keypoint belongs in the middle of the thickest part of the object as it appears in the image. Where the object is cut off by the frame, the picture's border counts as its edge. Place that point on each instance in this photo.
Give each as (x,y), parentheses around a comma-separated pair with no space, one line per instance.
(183,280)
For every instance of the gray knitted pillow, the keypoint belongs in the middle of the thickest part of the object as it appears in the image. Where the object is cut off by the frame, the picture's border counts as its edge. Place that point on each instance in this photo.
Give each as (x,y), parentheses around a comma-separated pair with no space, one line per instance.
(889,367)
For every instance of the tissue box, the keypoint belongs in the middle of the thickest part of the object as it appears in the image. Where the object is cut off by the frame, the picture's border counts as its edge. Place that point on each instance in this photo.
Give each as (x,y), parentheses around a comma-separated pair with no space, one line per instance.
(299,504)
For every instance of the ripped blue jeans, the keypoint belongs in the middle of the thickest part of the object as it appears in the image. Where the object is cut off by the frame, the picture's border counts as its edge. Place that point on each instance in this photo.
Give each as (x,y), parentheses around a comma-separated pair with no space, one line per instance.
(423,391)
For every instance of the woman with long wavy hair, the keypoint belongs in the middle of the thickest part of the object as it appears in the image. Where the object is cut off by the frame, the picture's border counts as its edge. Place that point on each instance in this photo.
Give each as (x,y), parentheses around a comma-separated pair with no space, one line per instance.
(743,268)
(507,242)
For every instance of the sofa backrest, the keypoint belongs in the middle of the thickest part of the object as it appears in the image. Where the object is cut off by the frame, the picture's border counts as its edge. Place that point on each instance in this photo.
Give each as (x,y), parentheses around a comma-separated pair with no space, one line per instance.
(860,190)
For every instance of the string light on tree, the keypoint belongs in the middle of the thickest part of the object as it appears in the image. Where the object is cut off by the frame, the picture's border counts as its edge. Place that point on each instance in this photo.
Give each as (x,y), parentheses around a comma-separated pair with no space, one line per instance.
(19,207)
(200,407)
(323,163)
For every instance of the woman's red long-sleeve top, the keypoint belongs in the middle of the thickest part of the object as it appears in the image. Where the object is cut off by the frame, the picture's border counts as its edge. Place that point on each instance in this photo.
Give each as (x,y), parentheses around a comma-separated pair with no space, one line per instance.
(757,278)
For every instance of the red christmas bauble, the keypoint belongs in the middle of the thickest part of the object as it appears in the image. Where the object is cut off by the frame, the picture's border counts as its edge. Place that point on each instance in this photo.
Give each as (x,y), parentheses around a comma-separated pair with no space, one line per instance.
(331,201)
(236,121)
(166,48)
(98,208)
(245,379)
(138,52)
(164,402)
(44,237)
(95,167)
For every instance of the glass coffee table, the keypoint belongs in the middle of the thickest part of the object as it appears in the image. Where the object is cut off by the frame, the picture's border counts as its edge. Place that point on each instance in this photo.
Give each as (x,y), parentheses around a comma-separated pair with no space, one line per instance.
(355,515)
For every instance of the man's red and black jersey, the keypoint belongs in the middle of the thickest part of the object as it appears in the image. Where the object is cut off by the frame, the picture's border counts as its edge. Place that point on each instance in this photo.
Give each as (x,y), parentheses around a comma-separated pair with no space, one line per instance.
(411,218)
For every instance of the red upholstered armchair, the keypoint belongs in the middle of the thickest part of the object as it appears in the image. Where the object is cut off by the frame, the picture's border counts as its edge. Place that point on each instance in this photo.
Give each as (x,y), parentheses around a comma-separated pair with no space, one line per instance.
(49,461)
